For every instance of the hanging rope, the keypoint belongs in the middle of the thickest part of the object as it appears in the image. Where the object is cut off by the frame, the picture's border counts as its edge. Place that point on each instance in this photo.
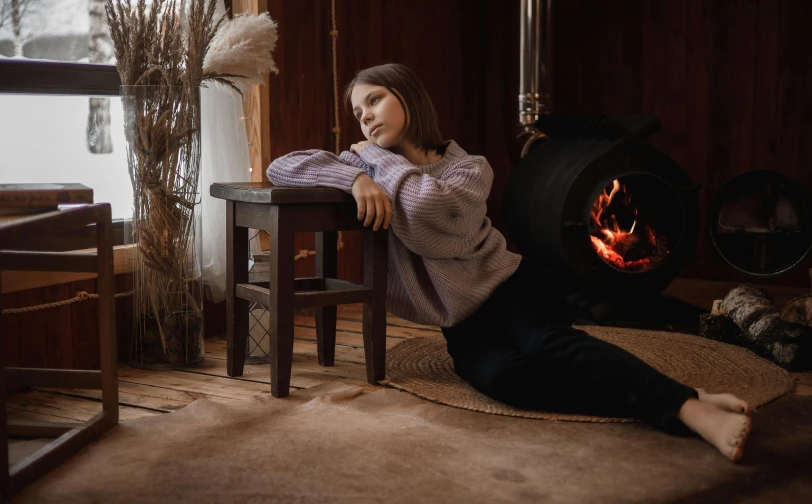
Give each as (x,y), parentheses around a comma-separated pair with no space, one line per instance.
(334,35)
(80,296)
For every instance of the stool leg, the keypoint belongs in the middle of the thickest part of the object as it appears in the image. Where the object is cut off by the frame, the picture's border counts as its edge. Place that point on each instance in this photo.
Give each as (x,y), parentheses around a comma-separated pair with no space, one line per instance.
(236,308)
(280,308)
(326,267)
(375,269)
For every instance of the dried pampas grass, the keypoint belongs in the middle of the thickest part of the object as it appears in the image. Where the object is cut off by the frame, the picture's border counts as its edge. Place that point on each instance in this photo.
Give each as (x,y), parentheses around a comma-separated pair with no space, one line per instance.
(241,51)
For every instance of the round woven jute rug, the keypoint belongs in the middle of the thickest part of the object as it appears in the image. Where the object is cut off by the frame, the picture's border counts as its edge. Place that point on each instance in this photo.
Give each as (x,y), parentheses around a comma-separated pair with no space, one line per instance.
(423,367)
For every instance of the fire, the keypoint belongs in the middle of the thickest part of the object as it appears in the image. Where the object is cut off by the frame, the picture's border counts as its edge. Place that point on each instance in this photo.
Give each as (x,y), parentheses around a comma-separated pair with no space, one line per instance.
(628,247)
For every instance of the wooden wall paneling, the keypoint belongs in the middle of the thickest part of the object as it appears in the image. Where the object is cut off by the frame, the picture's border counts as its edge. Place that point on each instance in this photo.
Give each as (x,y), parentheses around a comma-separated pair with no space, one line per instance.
(124,316)
(591,56)
(766,85)
(674,64)
(665,73)
(652,45)
(722,85)
(464,109)
(626,58)
(742,94)
(305,267)
(84,320)
(790,73)
(11,343)
(299,116)
(697,110)
(728,118)
(805,132)
(58,328)
(499,98)
(804,173)
(566,68)
(31,330)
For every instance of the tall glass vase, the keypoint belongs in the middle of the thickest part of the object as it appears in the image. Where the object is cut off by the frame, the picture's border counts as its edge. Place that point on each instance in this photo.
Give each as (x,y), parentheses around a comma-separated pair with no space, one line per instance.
(162,127)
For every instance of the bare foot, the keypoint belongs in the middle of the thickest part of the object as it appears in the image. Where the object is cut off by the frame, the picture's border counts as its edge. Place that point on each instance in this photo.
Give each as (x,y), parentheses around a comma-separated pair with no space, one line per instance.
(725,430)
(726,401)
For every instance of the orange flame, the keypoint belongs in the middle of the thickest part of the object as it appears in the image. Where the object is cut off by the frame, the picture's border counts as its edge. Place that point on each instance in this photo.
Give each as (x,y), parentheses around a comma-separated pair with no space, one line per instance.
(611,239)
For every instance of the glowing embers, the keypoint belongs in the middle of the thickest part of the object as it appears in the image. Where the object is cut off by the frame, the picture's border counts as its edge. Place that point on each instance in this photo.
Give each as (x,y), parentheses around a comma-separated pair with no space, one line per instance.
(621,237)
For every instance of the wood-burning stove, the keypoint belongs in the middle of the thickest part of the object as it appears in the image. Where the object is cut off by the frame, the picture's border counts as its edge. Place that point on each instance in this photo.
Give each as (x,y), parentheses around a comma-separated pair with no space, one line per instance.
(608,216)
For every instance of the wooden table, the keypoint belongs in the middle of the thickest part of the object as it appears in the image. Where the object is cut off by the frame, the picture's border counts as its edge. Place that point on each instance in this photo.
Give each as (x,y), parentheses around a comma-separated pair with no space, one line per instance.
(282,211)
(38,242)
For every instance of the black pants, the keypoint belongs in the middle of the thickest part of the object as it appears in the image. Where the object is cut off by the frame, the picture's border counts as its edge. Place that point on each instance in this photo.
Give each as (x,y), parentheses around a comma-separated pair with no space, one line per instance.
(521,349)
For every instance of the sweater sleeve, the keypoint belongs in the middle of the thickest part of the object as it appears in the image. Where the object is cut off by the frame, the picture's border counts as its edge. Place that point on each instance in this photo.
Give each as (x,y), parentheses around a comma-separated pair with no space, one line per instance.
(435,217)
(317,168)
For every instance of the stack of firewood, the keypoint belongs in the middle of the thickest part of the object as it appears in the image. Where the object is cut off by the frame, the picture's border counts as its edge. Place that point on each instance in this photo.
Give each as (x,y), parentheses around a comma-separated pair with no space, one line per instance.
(748,318)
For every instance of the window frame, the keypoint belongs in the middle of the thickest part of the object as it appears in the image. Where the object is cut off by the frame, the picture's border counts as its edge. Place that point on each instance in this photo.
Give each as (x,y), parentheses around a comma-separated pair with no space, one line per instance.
(57,77)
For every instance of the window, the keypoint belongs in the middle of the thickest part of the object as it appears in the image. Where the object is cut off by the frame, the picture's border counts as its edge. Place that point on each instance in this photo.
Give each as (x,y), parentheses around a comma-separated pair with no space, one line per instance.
(55,30)
(61,121)
(60,115)
(45,139)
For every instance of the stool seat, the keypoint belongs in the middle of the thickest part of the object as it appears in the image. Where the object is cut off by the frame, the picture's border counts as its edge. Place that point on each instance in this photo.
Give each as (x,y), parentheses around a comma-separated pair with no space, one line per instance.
(267,193)
(283,211)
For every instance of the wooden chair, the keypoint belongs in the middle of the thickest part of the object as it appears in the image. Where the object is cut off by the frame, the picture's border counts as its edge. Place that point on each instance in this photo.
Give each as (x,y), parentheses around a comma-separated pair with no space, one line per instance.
(282,211)
(35,242)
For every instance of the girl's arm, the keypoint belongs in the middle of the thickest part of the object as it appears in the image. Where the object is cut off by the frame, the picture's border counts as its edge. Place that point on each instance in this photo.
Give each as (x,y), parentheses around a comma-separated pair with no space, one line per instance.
(317,168)
(438,218)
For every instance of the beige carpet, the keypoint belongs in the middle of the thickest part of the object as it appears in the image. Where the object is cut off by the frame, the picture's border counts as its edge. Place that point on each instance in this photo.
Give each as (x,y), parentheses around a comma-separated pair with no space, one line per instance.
(332,443)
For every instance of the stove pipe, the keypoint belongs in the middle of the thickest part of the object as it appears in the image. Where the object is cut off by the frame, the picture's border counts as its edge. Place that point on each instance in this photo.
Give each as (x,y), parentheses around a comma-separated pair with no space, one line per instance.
(535,35)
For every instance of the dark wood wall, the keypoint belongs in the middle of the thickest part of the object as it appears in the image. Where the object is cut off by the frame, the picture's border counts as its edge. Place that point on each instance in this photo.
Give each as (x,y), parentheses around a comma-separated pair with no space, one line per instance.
(64,337)
(729,80)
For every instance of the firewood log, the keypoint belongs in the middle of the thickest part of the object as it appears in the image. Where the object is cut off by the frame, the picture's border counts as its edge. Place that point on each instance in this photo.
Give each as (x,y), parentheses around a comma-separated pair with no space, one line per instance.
(786,343)
(799,311)
(722,328)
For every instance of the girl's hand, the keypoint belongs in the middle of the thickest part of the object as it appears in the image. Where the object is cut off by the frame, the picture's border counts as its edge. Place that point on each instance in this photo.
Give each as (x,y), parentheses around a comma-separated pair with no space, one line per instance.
(357,147)
(372,201)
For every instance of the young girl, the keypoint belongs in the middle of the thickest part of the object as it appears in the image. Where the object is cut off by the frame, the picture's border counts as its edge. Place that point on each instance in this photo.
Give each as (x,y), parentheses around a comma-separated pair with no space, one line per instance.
(450,268)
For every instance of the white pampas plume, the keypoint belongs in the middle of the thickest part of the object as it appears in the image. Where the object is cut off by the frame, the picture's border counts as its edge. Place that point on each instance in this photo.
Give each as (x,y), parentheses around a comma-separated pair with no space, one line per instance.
(240,52)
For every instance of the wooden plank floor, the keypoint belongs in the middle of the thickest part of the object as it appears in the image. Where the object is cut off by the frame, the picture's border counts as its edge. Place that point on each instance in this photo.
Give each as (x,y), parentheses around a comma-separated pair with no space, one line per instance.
(144,393)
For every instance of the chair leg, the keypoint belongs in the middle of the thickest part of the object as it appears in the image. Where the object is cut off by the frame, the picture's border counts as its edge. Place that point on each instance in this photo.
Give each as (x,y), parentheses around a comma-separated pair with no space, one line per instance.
(326,267)
(280,308)
(236,308)
(5,493)
(375,270)
(107,317)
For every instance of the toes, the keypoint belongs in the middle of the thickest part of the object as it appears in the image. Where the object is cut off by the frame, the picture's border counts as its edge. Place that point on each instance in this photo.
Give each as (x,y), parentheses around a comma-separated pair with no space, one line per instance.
(736,454)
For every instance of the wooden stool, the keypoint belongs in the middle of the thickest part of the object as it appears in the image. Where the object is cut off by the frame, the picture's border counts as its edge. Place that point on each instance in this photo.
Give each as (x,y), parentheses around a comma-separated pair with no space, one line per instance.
(282,211)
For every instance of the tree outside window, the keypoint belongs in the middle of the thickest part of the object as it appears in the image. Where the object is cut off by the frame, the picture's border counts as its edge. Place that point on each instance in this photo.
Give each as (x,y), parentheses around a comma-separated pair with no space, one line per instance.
(62,30)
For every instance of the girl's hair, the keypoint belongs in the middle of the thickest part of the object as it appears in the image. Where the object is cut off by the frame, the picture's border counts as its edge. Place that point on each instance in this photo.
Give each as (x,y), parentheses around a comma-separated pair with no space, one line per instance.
(423,129)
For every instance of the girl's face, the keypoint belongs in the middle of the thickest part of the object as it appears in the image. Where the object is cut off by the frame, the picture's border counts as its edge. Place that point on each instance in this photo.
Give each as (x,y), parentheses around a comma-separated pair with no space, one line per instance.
(383,120)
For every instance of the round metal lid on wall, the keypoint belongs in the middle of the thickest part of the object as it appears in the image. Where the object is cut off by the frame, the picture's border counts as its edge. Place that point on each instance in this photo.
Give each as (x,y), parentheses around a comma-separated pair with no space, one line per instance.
(760,223)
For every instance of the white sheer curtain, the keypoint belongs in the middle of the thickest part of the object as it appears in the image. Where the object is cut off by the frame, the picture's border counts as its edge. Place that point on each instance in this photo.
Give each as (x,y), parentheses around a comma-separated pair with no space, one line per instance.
(224,158)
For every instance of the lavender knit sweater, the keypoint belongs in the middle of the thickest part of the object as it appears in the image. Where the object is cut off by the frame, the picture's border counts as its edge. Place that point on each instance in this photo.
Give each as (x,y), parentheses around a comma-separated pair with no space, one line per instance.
(445,258)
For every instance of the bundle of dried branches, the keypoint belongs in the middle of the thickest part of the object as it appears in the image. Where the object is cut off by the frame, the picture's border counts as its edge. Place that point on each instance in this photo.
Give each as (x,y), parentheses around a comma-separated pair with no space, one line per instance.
(160,50)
